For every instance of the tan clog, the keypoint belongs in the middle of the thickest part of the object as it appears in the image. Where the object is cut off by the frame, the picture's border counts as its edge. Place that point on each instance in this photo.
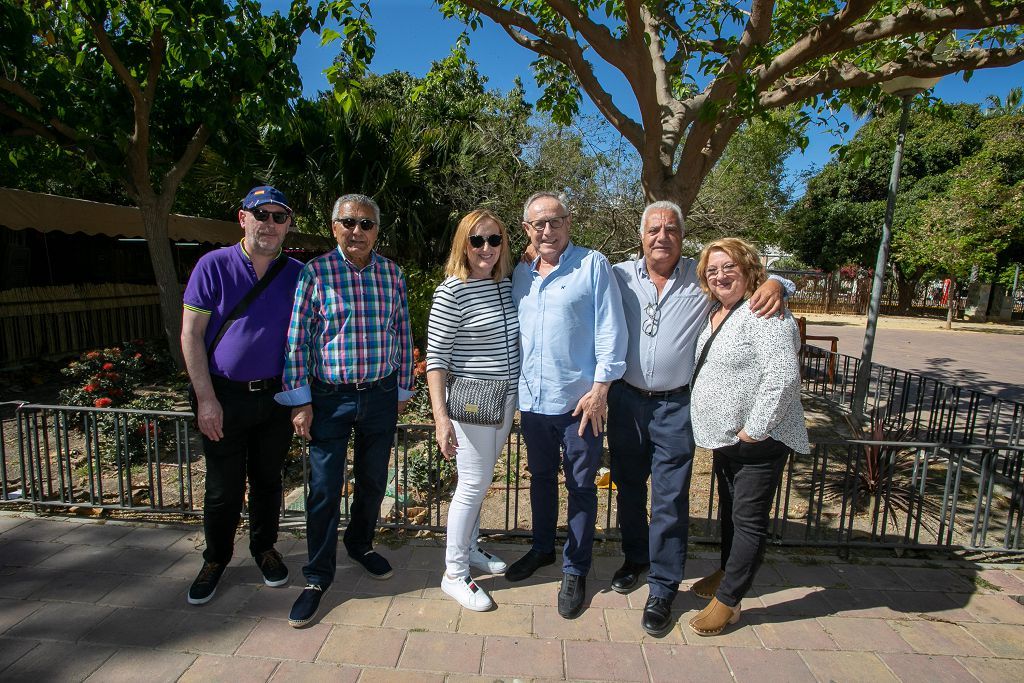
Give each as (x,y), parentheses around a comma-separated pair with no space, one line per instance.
(708,586)
(713,618)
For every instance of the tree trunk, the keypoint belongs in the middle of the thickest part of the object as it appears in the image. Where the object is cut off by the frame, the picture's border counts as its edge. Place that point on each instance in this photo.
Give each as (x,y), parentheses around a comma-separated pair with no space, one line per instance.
(904,295)
(154,217)
(951,302)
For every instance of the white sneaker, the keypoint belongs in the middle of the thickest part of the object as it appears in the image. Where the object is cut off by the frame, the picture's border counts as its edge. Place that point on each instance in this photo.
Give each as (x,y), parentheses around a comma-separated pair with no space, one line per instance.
(484,561)
(467,593)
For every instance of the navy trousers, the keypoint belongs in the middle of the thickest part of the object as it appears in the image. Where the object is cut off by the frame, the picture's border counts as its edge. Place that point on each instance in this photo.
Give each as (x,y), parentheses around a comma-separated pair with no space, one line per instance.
(552,440)
(652,439)
(370,415)
(747,474)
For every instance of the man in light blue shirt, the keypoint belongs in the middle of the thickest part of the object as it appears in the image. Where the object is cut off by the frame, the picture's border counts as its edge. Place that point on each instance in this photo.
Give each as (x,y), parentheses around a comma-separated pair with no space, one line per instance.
(649,432)
(573,348)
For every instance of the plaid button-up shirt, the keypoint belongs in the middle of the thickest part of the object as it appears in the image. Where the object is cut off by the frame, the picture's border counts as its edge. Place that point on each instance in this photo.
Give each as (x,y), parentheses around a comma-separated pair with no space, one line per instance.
(348,325)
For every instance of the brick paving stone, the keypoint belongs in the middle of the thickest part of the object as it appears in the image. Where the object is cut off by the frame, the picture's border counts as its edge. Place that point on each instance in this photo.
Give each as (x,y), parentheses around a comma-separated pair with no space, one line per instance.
(314,672)
(869,576)
(431,615)
(1002,580)
(589,625)
(20,582)
(234,669)
(265,601)
(930,604)
(12,612)
(77,587)
(927,579)
(821,575)
(806,601)
(200,632)
(362,646)
(849,667)
(60,621)
(604,567)
(230,598)
(668,662)
(766,666)
(867,604)
(93,534)
(505,620)
(275,638)
(1005,640)
(696,568)
(522,657)
(148,562)
(601,596)
(11,649)
(57,662)
(872,635)
(185,568)
(991,670)
(998,609)
(24,553)
(606,661)
(768,575)
(939,638)
(624,627)
(405,582)
(740,634)
(34,530)
(151,538)
(426,558)
(134,627)
(532,591)
(339,607)
(8,522)
(132,665)
(931,668)
(455,652)
(393,676)
(79,558)
(149,592)
(804,634)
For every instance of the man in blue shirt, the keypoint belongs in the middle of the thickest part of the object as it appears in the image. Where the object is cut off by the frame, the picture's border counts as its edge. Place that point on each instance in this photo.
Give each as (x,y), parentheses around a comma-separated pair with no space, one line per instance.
(573,348)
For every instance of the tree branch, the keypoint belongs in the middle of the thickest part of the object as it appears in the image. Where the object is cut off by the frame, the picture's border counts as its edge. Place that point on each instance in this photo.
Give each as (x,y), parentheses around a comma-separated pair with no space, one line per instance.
(177,173)
(58,127)
(845,76)
(157,45)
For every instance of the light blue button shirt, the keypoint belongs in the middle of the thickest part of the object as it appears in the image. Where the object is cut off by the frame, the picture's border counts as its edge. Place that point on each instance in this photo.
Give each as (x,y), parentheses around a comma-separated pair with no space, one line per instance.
(572,330)
(664,361)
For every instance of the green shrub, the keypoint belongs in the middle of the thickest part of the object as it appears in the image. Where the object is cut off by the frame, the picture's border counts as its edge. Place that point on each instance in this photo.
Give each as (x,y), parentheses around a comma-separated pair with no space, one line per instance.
(107,378)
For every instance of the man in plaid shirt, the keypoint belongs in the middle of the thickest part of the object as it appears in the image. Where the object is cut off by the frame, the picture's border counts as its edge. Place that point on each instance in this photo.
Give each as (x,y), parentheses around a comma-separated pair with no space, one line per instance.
(348,368)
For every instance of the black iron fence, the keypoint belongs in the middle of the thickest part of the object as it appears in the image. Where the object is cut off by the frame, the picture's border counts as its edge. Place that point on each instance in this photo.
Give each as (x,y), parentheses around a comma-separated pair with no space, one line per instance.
(844,494)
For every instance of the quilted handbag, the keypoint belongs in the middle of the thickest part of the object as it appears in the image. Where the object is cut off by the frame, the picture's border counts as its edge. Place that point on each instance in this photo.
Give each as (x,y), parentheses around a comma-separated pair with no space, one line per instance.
(477,401)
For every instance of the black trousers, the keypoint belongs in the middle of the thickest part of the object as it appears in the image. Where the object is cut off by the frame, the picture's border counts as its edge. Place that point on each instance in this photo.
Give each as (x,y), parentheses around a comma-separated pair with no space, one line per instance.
(747,474)
(257,434)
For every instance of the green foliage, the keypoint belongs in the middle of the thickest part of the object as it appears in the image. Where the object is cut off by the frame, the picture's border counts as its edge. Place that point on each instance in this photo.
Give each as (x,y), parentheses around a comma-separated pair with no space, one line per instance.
(420,285)
(430,475)
(109,378)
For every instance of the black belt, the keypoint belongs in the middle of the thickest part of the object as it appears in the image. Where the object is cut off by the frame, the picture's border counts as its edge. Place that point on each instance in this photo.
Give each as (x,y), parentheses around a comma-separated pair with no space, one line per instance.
(321,385)
(252,386)
(654,394)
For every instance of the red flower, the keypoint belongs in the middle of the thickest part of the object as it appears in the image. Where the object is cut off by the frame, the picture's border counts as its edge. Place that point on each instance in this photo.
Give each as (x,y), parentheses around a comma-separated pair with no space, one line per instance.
(92,355)
(108,366)
(89,388)
(102,402)
(138,356)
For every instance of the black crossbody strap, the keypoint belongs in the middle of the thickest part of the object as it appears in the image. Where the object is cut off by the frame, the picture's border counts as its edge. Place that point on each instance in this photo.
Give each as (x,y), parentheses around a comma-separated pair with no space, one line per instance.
(242,305)
(707,344)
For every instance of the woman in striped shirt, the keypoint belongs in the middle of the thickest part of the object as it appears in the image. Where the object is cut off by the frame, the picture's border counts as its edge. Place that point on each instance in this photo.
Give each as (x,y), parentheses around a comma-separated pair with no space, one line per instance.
(473,332)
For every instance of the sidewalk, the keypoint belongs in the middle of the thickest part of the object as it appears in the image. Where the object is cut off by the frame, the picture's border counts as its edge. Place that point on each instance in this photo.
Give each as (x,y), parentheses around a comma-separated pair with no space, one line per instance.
(106,602)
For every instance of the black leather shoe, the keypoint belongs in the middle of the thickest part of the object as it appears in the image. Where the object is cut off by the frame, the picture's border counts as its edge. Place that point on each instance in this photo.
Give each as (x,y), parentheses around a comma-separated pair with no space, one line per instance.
(628,576)
(525,566)
(571,594)
(657,619)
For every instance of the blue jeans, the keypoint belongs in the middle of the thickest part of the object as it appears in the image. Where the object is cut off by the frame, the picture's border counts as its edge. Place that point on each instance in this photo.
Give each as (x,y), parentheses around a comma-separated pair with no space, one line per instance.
(547,436)
(651,438)
(371,416)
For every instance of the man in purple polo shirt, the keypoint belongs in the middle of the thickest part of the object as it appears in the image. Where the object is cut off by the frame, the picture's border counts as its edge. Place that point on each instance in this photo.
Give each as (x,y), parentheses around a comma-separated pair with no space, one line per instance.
(235,373)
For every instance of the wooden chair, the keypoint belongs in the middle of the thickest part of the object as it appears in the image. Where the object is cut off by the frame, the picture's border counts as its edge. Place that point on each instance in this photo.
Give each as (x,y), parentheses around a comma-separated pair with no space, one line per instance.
(801,323)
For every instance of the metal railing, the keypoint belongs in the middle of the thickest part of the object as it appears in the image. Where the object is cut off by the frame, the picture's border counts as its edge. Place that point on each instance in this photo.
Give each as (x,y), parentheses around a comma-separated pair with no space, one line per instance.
(844,494)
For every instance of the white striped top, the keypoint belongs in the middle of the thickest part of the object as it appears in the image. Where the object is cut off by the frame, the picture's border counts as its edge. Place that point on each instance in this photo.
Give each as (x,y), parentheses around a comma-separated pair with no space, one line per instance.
(473,329)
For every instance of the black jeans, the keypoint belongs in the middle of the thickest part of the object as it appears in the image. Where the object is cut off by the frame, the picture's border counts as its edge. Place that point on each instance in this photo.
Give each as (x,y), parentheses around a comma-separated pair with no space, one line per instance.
(257,434)
(747,474)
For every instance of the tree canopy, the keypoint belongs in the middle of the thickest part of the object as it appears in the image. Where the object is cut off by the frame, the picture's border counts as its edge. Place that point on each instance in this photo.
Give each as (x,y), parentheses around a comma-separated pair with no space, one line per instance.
(699,70)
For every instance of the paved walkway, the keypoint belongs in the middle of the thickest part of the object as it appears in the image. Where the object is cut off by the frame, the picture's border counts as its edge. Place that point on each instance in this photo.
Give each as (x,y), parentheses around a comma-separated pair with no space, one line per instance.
(105,602)
(984,357)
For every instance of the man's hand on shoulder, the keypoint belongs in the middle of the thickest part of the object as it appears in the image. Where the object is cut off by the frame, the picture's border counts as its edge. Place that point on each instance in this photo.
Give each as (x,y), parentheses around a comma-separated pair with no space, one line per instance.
(768,299)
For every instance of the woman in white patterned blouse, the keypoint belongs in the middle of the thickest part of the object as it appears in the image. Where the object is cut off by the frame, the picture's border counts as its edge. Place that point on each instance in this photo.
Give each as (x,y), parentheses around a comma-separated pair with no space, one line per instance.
(745,406)
(473,332)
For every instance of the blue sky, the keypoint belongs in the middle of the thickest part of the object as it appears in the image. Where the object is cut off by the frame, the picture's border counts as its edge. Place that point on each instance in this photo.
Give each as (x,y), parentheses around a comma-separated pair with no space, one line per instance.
(412,33)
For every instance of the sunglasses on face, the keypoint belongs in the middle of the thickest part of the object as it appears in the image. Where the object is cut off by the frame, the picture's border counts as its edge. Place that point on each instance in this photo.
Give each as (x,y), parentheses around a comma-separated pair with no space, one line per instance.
(477,241)
(365,224)
(280,217)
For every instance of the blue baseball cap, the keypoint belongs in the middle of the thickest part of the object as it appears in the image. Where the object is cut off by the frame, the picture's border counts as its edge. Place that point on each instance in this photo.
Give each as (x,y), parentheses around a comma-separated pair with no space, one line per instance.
(265,194)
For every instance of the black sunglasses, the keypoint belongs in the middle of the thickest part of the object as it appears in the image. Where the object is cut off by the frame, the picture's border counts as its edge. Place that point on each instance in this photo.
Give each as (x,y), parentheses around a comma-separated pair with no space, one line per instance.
(477,241)
(280,217)
(366,224)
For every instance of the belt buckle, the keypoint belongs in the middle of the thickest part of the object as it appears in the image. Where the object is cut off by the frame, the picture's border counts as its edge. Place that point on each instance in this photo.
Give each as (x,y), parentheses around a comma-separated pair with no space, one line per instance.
(255,385)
